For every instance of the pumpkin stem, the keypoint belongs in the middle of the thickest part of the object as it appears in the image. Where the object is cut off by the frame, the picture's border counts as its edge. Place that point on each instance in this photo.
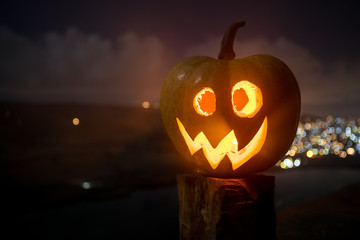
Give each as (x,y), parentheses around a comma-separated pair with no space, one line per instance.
(226,49)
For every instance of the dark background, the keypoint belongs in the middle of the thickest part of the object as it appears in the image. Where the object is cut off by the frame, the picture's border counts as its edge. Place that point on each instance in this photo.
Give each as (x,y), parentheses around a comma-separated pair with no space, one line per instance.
(113,175)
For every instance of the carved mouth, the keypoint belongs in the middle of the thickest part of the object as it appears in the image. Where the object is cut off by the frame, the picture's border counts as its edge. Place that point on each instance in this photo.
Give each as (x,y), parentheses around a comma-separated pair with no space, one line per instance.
(227,146)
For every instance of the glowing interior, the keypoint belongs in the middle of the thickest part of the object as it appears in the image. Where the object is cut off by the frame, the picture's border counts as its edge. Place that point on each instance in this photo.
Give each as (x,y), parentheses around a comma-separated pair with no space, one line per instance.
(205,102)
(228,145)
(246,99)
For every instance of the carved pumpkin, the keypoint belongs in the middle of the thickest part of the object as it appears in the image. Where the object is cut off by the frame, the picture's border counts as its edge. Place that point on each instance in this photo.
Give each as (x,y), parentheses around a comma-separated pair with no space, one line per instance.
(231,117)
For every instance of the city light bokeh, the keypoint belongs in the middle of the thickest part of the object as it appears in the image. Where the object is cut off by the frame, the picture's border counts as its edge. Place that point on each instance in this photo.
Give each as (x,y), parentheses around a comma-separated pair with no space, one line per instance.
(76,121)
(316,138)
(145,104)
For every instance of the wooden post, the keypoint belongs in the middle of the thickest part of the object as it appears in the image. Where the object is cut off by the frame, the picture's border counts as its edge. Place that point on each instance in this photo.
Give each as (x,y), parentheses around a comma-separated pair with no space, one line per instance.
(216,208)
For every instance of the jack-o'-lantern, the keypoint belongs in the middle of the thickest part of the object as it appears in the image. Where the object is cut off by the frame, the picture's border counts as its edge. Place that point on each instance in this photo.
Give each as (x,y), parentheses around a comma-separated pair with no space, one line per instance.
(242,113)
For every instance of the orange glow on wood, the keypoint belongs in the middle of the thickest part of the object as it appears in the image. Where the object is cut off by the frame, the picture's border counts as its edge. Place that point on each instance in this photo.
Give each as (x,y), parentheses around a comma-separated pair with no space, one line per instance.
(246,99)
(227,146)
(205,102)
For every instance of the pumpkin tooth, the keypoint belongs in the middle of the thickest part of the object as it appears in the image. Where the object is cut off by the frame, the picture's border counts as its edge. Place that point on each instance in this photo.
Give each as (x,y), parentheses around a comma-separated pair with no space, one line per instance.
(215,155)
(227,146)
(240,157)
(192,145)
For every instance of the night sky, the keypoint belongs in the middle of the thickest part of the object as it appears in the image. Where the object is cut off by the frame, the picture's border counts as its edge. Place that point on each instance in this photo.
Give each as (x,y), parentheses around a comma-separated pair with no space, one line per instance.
(119,52)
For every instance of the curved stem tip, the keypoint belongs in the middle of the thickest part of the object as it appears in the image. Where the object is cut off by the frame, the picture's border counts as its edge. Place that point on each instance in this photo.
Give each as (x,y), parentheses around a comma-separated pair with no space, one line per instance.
(226,49)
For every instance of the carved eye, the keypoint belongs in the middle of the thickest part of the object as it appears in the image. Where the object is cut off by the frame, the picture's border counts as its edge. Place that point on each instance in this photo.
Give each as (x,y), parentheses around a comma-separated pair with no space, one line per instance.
(205,102)
(246,99)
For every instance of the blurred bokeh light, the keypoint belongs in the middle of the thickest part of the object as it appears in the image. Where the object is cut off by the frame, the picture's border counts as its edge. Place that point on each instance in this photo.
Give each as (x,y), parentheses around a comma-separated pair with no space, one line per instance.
(320,137)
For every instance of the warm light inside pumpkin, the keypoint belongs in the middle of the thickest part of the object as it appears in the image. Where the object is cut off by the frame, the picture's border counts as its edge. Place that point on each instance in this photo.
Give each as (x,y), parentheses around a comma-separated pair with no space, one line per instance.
(246,99)
(205,102)
(227,146)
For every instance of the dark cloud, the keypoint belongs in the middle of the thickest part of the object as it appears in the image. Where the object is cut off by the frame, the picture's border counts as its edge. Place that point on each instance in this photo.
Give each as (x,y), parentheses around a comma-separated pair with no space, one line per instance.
(78,67)
(72,66)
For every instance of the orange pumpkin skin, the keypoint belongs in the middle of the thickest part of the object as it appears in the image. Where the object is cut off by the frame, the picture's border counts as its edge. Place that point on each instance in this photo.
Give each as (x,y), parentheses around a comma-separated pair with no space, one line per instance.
(281,108)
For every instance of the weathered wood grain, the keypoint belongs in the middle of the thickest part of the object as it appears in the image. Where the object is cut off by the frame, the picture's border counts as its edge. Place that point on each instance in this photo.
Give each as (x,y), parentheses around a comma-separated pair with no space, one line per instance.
(216,208)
